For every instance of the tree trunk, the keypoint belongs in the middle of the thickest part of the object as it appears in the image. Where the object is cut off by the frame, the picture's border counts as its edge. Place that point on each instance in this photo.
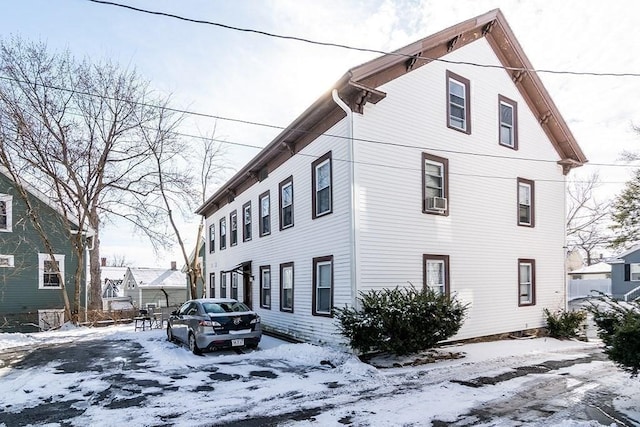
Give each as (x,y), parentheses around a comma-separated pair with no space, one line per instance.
(95,288)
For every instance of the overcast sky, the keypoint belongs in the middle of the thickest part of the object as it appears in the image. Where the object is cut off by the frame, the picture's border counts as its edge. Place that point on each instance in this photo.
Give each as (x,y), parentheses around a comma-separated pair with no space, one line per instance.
(256,78)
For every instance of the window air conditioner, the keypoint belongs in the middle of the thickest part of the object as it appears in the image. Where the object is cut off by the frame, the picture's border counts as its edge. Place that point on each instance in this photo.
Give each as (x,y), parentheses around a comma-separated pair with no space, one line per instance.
(437,204)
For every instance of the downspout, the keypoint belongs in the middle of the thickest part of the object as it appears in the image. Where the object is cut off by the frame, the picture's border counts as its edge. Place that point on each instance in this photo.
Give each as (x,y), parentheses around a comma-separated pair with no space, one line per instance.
(352,197)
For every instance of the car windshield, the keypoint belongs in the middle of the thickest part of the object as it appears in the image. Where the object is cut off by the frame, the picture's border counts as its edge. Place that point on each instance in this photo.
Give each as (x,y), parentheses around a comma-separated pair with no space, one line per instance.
(224,307)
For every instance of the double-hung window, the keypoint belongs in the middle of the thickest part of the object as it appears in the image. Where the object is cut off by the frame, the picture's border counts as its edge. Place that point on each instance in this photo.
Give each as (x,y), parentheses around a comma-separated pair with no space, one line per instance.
(526,202)
(234,285)
(286,203)
(321,181)
(632,272)
(265,286)
(212,285)
(264,201)
(526,282)
(322,286)
(6,214)
(508,131)
(223,284)
(246,222)
(435,185)
(233,222)
(458,103)
(286,286)
(223,233)
(212,238)
(436,273)
(50,271)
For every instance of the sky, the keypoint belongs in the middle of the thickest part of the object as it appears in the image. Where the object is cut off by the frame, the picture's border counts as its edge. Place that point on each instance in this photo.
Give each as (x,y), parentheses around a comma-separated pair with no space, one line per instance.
(255,78)
(182,389)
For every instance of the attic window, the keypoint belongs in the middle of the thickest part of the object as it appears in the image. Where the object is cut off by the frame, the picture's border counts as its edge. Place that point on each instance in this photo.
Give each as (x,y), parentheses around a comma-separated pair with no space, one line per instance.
(458,103)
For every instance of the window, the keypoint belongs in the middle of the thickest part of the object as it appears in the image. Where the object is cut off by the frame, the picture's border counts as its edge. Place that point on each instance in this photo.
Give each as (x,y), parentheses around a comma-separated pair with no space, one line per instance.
(436,273)
(234,285)
(458,103)
(265,214)
(6,213)
(6,261)
(321,180)
(212,238)
(233,220)
(265,287)
(286,203)
(322,286)
(526,199)
(508,122)
(526,282)
(212,285)
(435,185)
(632,272)
(223,285)
(286,287)
(48,271)
(246,222)
(223,233)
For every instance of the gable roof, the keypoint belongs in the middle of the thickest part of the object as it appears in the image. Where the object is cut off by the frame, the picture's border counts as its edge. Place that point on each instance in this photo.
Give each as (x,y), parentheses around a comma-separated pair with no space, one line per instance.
(619,259)
(156,277)
(358,86)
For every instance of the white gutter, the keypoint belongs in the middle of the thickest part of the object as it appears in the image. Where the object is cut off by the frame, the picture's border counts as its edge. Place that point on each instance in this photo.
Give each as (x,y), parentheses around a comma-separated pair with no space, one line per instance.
(352,197)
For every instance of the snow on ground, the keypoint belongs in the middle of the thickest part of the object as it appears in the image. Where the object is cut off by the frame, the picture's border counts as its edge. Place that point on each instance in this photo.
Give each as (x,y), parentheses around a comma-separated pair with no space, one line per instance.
(184,389)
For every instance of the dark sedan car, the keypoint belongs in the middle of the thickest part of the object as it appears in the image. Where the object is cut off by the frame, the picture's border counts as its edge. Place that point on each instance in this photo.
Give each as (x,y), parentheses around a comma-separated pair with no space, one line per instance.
(213,323)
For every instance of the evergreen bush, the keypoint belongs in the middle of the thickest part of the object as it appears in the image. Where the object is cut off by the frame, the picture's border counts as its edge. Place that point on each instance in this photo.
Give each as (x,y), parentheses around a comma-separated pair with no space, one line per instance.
(400,320)
(619,328)
(565,324)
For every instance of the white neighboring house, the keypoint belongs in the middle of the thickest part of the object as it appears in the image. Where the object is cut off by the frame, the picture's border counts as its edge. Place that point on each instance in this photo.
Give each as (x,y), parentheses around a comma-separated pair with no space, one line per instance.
(410,170)
(590,280)
(150,288)
(113,298)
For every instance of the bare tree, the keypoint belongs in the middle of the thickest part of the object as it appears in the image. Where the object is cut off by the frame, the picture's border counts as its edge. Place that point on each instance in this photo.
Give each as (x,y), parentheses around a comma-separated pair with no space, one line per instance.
(119,260)
(587,217)
(78,129)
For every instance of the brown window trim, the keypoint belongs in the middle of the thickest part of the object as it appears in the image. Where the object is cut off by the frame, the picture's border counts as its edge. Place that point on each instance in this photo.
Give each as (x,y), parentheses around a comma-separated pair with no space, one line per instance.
(293,287)
(445,163)
(223,237)
(246,238)
(231,215)
(315,164)
(316,261)
(261,231)
(514,105)
(447,281)
(531,185)
(212,239)
(467,106)
(282,184)
(533,281)
(265,306)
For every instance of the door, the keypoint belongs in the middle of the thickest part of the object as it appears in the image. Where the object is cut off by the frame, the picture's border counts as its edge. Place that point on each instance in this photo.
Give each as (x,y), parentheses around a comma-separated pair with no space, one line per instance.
(247,281)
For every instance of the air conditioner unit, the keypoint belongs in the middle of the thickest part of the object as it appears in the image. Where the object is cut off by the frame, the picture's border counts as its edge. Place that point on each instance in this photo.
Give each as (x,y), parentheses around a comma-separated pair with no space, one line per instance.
(437,204)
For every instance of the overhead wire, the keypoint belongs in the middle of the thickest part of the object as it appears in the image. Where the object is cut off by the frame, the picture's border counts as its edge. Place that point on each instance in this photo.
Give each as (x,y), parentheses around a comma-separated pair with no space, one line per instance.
(359,49)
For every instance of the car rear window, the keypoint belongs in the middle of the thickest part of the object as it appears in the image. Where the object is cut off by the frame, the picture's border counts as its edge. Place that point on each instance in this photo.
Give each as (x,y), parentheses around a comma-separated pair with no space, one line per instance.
(224,307)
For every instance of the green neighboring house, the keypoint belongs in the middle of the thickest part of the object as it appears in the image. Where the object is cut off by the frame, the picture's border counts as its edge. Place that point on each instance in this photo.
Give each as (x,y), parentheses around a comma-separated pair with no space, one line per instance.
(30,290)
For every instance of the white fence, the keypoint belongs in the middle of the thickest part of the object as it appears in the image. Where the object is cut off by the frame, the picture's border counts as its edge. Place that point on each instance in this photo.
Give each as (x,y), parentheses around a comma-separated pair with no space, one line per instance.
(588,287)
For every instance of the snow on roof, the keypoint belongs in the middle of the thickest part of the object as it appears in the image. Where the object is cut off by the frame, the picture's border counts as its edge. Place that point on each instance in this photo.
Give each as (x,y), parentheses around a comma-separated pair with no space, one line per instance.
(112,273)
(156,277)
(601,267)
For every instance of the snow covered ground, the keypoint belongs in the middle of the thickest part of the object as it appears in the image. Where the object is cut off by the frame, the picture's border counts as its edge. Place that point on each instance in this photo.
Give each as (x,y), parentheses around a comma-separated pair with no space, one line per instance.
(139,379)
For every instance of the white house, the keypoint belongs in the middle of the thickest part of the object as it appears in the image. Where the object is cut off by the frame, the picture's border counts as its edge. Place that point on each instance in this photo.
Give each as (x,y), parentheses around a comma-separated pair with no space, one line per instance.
(155,287)
(417,168)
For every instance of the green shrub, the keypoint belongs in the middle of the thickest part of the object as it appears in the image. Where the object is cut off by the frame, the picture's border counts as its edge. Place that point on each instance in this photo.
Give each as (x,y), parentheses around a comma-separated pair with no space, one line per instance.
(619,328)
(401,320)
(565,324)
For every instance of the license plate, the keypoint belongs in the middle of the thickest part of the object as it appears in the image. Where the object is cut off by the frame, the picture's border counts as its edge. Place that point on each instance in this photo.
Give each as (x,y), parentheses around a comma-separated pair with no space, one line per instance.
(238,342)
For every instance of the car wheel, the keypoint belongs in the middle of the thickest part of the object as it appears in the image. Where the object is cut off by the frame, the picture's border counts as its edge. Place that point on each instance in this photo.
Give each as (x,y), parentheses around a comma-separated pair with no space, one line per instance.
(170,336)
(193,346)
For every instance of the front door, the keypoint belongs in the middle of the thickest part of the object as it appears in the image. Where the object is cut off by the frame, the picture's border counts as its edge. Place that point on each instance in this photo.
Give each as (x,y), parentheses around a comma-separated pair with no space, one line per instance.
(246,284)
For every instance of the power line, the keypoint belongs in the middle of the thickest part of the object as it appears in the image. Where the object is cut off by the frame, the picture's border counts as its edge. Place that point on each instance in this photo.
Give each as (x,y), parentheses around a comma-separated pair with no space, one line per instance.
(360,49)
(317,134)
